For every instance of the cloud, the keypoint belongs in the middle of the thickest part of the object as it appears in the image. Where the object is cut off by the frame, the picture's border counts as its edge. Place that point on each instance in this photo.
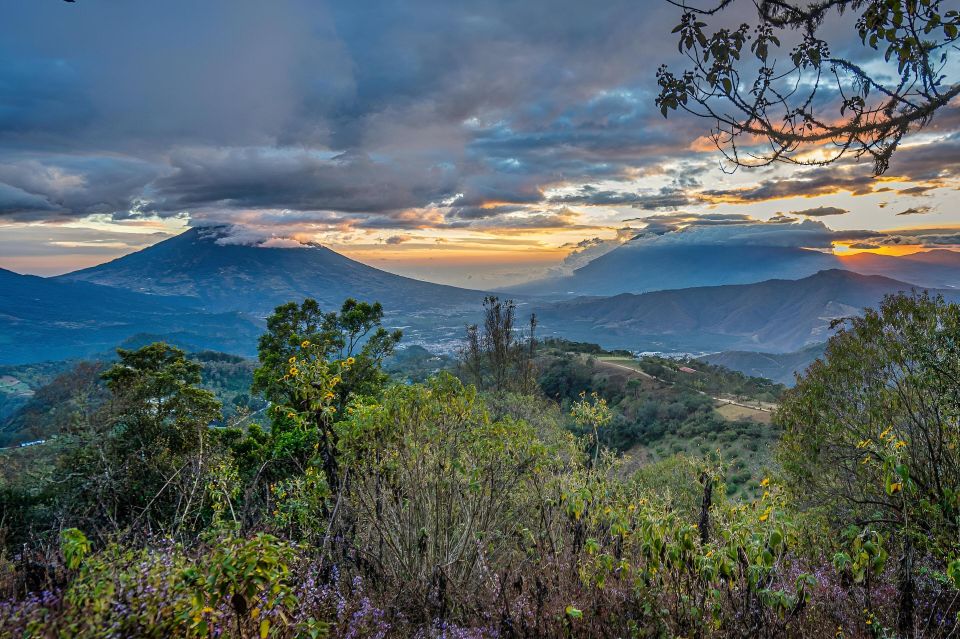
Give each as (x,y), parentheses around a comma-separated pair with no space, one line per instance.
(300,180)
(294,117)
(56,187)
(314,107)
(665,198)
(916,210)
(396,239)
(806,185)
(742,230)
(820,211)
(927,237)
(587,250)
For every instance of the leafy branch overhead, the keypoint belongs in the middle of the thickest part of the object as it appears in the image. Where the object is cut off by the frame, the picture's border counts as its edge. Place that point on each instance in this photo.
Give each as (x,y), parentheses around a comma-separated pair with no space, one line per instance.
(778,91)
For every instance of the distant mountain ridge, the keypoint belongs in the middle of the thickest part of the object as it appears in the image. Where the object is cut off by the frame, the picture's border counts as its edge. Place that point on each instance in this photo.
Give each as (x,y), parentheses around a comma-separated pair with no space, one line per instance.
(939,268)
(641,266)
(780,367)
(203,265)
(46,319)
(774,315)
(201,289)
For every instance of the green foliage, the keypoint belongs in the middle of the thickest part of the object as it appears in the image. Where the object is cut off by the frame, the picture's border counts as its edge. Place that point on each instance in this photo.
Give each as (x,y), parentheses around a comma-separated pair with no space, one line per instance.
(655,419)
(592,413)
(238,587)
(142,455)
(871,436)
(355,331)
(496,354)
(75,546)
(312,364)
(711,379)
(438,488)
(871,430)
(435,509)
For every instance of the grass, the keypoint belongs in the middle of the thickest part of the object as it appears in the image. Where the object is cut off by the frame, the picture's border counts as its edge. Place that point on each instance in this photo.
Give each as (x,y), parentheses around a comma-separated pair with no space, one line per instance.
(734,412)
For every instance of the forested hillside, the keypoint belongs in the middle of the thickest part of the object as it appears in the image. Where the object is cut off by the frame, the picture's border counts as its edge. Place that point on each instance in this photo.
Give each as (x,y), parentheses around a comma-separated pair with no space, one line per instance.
(527,488)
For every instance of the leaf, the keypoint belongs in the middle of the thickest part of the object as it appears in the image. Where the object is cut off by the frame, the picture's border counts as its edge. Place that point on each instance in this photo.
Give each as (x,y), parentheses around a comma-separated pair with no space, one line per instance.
(574,613)
(264,628)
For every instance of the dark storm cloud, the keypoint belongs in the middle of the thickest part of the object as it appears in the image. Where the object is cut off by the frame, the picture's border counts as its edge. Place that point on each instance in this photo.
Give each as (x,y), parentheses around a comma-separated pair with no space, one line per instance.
(42,98)
(369,114)
(61,187)
(361,109)
(665,198)
(299,180)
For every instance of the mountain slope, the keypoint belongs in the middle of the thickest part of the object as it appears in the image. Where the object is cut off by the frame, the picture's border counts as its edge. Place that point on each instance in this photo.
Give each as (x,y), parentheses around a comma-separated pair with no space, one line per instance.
(780,367)
(637,267)
(202,265)
(775,315)
(44,319)
(933,269)
(683,259)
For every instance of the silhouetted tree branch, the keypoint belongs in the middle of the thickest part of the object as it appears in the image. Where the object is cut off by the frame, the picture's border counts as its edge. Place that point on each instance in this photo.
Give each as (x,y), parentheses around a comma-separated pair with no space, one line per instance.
(811,107)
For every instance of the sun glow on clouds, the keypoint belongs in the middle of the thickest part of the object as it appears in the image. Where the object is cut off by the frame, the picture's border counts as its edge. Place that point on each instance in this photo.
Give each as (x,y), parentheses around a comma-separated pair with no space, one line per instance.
(495,164)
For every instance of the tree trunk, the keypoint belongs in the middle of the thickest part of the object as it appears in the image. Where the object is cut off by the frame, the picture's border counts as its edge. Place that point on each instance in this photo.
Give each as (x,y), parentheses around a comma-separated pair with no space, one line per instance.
(705,507)
(905,591)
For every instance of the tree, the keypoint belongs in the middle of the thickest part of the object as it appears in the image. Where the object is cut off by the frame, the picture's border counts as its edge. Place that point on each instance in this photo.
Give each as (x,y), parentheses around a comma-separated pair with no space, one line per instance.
(140,462)
(871,431)
(493,357)
(356,333)
(769,107)
(438,489)
(592,413)
(312,364)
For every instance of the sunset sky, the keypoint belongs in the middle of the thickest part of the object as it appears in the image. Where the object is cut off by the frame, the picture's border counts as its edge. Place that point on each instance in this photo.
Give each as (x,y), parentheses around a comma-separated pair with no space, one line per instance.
(469,143)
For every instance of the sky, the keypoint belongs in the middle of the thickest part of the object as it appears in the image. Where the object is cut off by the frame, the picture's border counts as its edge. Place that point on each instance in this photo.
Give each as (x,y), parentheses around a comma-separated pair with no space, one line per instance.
(472,143)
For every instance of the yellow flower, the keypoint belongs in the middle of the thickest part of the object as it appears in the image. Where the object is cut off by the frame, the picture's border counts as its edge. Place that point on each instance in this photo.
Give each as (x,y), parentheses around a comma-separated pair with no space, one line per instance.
(334,381)
(293,371)
(765,516)
(863,443)
(291,415)
(305,343)
(900,444)
(350,361)
(329,395)
(765,482)
(883,435)
(292,360)
(896,488)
